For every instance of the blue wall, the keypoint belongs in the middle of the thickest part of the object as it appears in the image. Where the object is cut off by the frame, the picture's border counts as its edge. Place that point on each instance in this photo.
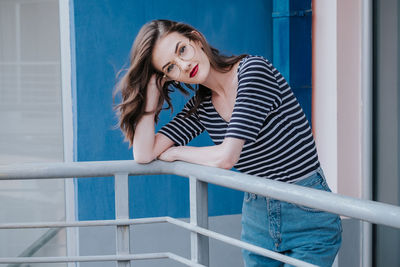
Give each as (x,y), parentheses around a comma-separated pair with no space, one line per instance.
(292,47)
(103,34)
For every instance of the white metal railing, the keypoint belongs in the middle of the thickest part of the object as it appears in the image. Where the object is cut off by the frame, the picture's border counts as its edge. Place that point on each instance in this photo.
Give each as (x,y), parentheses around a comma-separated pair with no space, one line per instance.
(200,176)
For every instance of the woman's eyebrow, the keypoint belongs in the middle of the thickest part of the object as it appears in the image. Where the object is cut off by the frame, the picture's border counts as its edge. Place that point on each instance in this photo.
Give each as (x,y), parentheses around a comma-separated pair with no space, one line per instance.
(176,49)
(177,45)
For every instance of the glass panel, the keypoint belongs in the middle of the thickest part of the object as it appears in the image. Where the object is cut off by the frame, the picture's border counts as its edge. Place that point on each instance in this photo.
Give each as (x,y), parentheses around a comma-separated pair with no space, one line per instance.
(30,122)
(387,125)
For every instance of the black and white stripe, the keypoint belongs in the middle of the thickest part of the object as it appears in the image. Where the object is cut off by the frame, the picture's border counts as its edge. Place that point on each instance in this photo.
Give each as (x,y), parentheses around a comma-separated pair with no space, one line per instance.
(279,143)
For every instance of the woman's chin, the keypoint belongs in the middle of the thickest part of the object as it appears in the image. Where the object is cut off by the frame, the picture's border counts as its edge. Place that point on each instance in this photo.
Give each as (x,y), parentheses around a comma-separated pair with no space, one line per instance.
(200,77)
(194,80)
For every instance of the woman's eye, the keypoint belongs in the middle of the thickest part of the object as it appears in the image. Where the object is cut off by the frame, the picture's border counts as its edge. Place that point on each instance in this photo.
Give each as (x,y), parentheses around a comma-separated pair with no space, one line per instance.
(170,68)
(182,50)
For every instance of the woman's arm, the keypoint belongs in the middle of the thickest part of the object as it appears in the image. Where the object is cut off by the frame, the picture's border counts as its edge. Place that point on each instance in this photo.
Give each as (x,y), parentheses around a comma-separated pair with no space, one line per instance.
(224,155)
(146,145)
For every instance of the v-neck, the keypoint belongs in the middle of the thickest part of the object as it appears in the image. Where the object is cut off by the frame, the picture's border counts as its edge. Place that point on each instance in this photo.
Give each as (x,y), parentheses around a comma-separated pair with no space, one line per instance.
(210,97)
(211,105)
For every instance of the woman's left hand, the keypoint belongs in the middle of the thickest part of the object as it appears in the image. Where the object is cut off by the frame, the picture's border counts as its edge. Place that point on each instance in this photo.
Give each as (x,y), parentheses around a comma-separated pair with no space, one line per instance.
(169,154)
(224,155)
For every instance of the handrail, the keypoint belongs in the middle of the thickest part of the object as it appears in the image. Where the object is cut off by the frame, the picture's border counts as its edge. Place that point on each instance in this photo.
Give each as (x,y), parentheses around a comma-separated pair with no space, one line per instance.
(179,223)
(200,176)
(143,256)
(366,210)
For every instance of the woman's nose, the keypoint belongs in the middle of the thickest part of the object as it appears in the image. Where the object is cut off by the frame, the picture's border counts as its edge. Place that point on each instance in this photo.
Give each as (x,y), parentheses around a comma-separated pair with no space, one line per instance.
(184,65)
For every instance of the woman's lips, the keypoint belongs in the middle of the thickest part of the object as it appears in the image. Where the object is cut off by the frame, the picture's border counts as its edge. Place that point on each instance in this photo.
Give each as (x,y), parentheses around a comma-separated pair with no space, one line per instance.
(194,71)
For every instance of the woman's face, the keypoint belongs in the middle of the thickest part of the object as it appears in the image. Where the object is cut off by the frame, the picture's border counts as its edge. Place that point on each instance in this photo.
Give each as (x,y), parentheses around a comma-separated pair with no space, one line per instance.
(181,59)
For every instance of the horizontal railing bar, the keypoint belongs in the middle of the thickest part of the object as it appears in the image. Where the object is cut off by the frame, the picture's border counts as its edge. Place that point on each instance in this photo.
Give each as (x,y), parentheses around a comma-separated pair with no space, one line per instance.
(44,63)
(180,259)
(240,244)
(171,220)
(367,210)
(83,223)
(144,256)
(84,258)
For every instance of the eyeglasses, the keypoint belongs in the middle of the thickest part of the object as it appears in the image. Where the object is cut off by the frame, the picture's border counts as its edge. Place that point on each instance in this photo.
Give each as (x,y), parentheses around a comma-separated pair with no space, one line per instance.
(185,52)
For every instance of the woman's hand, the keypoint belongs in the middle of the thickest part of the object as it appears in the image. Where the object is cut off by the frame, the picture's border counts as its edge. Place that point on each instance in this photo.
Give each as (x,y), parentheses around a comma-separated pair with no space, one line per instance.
(224,155)
(169,154)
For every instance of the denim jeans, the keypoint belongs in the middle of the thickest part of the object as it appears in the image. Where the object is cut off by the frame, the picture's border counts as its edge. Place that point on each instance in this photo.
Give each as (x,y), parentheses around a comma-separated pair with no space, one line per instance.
(300,232)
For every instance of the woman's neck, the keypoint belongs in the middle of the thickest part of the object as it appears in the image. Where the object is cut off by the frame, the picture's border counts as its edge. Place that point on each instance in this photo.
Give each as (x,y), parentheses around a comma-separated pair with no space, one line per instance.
(221,83)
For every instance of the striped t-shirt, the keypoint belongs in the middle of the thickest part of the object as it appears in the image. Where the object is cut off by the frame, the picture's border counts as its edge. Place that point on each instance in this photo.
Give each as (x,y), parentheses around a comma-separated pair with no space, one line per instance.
(279,144)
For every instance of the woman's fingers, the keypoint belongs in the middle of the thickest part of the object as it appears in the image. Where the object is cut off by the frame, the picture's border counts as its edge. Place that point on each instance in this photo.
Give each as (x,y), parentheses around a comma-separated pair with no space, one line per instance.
(168,155)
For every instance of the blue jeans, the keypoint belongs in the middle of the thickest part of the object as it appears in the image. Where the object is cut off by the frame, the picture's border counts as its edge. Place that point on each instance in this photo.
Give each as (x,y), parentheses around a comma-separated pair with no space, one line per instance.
(300,232)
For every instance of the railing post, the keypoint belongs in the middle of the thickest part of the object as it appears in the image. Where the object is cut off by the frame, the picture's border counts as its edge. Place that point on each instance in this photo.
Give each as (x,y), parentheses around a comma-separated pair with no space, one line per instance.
(199,217)
(122,212)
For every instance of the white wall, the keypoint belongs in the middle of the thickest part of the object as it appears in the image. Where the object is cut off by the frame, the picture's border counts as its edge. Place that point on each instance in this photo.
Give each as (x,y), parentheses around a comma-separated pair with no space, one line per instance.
(349,97)
(337,109)
(324,82)
(337,92)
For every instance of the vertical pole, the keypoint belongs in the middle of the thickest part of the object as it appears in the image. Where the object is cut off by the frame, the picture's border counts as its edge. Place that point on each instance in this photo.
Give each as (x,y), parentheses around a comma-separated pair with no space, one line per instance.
(65,9)
(121,213)
(366,87)
(199,217)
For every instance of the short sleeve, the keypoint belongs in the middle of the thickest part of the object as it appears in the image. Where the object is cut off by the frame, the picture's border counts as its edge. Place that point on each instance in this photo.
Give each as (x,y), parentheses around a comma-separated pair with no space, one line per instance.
(258,94)
(182,128)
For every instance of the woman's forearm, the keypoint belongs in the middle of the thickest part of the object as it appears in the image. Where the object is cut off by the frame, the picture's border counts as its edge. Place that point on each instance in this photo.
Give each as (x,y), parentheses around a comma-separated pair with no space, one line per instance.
(143,141)
(209,155)
(223,156)
(146,144)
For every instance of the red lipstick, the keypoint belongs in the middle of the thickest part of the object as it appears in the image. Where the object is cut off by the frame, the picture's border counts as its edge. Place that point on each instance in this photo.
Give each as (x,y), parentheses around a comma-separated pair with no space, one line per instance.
(194,71)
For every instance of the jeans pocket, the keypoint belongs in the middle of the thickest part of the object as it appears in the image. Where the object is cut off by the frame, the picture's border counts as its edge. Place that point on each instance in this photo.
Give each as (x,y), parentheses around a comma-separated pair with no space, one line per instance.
(305,208)
(340,226)
(318,182)
(249,197)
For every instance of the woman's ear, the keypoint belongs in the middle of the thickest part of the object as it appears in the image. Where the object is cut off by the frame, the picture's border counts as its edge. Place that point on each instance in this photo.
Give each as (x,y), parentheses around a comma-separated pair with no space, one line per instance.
(197,33)
(166,78)
(199,37)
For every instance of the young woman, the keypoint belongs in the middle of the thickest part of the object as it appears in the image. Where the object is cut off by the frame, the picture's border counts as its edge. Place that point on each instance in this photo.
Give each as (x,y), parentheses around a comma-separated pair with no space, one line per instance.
(252,116)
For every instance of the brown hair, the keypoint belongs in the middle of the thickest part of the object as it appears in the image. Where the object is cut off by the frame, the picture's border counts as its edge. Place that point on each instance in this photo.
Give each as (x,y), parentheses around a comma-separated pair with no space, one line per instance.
(134,81)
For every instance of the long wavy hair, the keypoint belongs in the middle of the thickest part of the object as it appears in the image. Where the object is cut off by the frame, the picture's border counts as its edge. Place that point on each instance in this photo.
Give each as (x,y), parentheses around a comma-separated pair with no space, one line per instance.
(132,82)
